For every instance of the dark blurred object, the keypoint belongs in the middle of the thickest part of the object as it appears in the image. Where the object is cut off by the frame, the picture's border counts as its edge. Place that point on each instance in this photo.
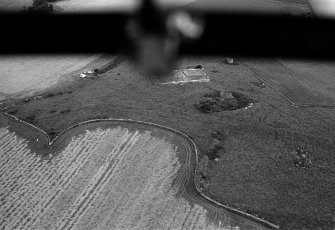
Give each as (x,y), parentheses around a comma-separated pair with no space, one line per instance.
(155,35)
(323,8)
(245,35)
(153,44)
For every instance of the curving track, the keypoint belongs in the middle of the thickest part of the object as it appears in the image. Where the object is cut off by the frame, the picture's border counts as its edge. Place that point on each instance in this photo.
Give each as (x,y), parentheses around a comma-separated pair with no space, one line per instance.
(217,215)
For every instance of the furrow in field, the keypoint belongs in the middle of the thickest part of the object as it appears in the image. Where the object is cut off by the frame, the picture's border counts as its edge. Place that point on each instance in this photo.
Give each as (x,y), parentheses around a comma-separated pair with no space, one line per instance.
(77,161)
(97,182)
(110,178)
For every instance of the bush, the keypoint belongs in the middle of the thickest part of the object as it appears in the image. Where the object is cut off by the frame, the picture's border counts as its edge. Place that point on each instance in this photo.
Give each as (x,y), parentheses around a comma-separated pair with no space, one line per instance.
(31,118)
(65,111)
(49,95)
(213,153)
(13,112)
(215,101)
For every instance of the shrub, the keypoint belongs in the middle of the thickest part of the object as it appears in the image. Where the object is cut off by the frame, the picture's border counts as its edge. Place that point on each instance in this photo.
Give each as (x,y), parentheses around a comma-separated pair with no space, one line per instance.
(213,153)
(49,95)
(215,102)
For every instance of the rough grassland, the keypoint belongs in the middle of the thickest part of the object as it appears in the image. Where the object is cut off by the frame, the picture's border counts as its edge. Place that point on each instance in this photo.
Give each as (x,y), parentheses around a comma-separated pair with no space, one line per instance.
(255,170)
(103,179)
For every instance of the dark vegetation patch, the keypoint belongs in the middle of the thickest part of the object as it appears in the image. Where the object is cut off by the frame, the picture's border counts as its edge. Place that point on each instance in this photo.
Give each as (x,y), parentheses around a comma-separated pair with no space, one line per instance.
(301,158)
(45,95)
(31,119)
(49,95)
(99,117)
(217,147)
(259,84)
(55,94)
(26,100)
(40,6)
(12,112)
(117,61)
(217,101)
(213,152)
(202,178)
(52,133)
(65,111)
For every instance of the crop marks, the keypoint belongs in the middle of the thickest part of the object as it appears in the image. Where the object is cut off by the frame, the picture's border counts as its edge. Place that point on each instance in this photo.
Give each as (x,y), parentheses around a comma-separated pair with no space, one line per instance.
(103,179)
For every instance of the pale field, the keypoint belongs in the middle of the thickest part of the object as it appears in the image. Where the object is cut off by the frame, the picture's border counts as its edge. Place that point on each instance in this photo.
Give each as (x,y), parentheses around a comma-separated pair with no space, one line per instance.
(14,5)
(110,5)
(103,179)
(34,72)
(317,76)
(97,5)
(256,6)
(302,82)
(226,5)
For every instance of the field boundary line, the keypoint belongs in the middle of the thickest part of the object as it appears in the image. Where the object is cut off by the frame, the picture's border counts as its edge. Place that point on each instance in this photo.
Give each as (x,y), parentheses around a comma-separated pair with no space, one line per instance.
(282,95)
(195,149)
(289,3)
(268,84)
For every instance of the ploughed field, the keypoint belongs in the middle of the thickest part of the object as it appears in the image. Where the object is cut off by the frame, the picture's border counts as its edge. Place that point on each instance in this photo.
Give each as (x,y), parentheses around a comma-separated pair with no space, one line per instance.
(22,74)
(105,176)
(14,5)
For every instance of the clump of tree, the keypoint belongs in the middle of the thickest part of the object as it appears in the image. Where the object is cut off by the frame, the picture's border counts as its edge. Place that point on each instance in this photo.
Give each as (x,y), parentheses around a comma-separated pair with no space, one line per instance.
(301,158)
(40,6)
(217,101)
(216,149)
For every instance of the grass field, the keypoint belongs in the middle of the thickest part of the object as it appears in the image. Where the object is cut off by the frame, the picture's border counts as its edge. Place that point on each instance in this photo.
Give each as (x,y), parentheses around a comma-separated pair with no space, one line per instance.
(309,72)
(104,178)
(255,170)
(299,81)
